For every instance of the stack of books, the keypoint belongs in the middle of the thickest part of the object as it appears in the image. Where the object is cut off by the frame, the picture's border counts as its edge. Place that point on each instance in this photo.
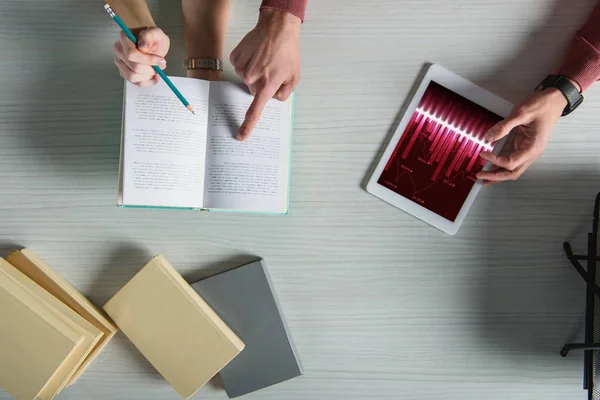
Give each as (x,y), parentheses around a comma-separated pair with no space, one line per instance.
(50,333)
(230,323)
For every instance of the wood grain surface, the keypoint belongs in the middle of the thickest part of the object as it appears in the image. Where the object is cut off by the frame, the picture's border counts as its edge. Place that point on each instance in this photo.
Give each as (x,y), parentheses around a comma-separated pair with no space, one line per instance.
(380,305)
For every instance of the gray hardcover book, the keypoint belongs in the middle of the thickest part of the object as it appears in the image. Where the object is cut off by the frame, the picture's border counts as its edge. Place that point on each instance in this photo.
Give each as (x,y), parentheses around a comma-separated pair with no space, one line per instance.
(245,300)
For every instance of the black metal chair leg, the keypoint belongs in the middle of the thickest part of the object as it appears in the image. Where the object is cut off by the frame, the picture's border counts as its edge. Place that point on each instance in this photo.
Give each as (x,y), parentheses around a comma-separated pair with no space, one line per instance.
(578,346)
(580,270)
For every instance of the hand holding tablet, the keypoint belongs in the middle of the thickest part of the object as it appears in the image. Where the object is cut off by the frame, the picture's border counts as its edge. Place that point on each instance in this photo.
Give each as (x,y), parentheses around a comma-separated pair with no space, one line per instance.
(533,120)
(429,168)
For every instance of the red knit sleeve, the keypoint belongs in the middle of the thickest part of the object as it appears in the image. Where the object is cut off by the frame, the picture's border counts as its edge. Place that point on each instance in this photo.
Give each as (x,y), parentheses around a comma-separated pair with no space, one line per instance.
(296,7)
(582,63)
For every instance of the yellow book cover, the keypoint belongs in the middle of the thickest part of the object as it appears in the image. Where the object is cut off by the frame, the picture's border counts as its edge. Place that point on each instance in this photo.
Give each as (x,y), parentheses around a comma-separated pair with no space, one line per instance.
(35,268)
(34,342)
(173,327)
(90,334)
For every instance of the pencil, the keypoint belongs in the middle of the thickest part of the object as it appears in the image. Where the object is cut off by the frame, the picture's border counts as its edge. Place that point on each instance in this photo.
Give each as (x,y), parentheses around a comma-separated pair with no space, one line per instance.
(159,71)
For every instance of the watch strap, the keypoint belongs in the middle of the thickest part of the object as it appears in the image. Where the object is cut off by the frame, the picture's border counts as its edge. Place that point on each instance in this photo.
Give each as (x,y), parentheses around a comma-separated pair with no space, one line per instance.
(571,92)
(203,63)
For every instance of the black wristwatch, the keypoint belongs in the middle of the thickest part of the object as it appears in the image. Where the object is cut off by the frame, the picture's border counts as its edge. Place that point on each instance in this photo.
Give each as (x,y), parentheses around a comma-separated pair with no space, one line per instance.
(570,91)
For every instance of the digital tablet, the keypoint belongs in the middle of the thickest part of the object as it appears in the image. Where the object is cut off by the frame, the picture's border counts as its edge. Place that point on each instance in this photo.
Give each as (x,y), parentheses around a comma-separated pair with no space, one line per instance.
(429,167)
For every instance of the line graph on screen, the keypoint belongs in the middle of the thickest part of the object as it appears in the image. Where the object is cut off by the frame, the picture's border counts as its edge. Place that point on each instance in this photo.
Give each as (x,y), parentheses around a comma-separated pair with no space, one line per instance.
(437,157)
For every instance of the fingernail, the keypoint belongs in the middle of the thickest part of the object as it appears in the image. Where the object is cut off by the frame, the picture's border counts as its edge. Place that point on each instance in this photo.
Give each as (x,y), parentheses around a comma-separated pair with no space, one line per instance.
(489,136)
(242,132)
(484,154)
(162,63)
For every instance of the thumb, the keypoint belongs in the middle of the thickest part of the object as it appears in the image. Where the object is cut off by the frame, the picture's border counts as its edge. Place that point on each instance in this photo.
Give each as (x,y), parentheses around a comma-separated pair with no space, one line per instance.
(253,114)
(284,92)
(153,41)
(504,127)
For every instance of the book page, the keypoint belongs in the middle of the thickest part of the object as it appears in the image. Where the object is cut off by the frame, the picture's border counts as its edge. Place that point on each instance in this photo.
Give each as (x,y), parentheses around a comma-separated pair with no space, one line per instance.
(250,175)
(164,146)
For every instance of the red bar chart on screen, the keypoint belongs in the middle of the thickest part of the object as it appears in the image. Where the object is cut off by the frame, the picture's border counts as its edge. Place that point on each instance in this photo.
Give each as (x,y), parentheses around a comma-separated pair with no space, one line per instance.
(437,157)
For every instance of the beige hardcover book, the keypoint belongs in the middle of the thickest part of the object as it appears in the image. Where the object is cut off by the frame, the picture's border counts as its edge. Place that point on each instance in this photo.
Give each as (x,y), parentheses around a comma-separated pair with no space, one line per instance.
(34,342)
(35,268)
(90,334)
(173,327)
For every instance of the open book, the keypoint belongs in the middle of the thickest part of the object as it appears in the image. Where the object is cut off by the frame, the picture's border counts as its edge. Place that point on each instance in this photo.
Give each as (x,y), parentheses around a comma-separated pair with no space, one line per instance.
(174,159)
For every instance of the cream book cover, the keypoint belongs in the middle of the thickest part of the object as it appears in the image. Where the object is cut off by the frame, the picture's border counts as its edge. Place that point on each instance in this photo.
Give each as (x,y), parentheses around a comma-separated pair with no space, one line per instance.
(35,268)
(34,342)
(173,327)
(90,334)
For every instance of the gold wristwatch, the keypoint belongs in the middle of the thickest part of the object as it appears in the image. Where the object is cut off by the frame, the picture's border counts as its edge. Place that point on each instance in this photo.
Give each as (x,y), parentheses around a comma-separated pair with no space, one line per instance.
(203,63)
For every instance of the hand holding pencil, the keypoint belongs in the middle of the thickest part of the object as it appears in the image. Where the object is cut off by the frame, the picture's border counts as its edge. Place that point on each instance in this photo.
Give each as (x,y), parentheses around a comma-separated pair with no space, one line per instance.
(135,58)
(135,63)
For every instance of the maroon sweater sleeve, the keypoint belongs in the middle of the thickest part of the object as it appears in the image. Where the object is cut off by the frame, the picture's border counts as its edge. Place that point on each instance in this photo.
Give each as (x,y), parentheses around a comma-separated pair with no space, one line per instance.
(296,7)
(582,63)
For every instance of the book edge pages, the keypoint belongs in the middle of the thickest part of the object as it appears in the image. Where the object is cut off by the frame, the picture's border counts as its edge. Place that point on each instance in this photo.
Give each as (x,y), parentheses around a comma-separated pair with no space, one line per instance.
(94,315)
(69,291)
(289,167)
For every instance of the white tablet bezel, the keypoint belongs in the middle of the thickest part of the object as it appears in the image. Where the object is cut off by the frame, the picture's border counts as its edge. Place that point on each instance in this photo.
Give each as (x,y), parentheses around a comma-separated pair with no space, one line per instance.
(466,89)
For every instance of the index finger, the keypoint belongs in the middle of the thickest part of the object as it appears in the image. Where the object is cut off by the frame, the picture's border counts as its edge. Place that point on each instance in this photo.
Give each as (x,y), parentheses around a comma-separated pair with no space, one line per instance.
(254,112)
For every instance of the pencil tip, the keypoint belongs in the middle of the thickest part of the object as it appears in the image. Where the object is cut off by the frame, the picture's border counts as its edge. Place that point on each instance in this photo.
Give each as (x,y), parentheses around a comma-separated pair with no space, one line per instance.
(191,109)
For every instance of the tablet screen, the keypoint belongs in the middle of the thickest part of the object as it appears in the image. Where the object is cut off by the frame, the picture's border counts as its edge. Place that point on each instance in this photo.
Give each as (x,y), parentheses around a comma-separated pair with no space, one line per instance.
(437,157)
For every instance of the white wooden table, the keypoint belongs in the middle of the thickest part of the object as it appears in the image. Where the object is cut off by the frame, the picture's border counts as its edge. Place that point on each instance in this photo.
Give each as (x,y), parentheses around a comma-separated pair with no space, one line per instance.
(381,306)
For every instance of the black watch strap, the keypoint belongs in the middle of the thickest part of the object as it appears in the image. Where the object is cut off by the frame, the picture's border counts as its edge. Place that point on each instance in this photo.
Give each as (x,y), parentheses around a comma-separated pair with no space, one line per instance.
(570,91)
